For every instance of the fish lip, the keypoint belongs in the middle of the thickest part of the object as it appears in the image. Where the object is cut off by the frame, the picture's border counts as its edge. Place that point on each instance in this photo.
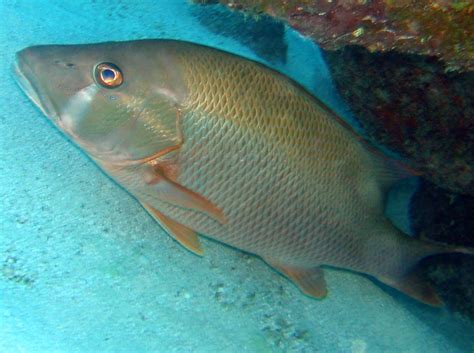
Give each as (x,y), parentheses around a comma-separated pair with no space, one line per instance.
(23,75)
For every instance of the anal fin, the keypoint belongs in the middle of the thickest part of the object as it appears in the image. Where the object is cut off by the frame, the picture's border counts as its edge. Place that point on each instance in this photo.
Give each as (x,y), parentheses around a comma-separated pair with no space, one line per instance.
(310,281)
(184,235)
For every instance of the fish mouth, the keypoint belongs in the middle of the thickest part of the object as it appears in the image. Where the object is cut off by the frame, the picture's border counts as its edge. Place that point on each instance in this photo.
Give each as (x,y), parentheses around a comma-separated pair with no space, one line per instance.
(24,76)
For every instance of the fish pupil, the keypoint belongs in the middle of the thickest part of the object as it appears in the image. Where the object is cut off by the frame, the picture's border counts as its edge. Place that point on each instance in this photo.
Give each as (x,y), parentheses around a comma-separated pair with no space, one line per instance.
(108,75)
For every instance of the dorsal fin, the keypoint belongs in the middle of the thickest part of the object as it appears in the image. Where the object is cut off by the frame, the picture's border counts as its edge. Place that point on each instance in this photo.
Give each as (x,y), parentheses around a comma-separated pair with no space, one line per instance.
(389,170)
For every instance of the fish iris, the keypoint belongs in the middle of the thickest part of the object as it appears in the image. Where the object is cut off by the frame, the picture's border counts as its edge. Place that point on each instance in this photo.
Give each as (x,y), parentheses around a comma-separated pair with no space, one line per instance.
(108,75)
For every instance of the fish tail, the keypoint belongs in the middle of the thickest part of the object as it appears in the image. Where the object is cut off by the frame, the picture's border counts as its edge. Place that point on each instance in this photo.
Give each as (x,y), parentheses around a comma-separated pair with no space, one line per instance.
(412,280)
(430,247)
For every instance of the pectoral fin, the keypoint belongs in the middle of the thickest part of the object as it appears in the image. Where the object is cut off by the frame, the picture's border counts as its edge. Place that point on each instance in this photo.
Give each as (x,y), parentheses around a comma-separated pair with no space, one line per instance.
(184,235)
(177,195)
(310,281)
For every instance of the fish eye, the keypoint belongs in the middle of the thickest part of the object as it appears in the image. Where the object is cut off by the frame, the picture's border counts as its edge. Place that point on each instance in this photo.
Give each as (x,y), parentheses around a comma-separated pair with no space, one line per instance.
(108,75)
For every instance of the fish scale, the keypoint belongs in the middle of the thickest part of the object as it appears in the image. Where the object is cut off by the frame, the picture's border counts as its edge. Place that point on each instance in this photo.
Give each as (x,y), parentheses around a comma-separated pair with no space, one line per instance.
(215,144)
(284,230)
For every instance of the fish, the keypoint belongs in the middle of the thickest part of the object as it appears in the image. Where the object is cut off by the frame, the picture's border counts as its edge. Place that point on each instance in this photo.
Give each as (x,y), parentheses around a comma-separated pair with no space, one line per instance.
(213,144)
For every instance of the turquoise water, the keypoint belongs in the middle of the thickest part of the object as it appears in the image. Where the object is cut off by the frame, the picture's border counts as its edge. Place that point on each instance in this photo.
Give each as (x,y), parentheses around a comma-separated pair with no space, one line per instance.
(83,268)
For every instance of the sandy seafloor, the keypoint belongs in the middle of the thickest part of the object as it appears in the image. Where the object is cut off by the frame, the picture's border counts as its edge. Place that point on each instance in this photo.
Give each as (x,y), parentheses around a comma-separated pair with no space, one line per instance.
(83,268)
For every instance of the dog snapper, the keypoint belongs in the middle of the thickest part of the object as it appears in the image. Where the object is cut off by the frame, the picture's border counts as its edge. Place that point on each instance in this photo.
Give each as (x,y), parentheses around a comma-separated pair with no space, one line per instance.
(211,143)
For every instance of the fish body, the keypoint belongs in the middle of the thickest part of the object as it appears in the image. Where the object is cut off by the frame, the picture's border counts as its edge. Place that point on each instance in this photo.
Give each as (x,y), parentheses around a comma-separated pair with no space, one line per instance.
(214,144)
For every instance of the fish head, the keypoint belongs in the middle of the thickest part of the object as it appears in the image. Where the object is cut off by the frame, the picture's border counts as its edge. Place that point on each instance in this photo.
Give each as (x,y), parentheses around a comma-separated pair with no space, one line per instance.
(117,100)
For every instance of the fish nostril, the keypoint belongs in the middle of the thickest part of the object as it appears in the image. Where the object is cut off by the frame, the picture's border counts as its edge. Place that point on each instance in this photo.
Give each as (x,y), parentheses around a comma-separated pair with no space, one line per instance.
(62,63)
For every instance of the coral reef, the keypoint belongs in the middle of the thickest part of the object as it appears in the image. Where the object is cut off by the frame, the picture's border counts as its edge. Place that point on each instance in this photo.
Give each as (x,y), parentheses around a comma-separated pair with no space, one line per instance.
(440,28)
(442,216)
(446,217)
(410,104)
(453,278)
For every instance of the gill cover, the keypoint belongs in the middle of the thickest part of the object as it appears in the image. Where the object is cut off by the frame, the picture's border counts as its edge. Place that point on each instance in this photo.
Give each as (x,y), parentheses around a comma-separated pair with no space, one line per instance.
(118,101)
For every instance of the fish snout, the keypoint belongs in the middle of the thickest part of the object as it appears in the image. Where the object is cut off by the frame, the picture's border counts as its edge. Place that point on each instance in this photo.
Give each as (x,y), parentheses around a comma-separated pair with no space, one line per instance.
(27,77)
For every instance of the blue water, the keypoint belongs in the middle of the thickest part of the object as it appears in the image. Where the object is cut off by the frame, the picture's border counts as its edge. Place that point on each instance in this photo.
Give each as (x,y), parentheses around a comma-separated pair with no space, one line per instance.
(83,268)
